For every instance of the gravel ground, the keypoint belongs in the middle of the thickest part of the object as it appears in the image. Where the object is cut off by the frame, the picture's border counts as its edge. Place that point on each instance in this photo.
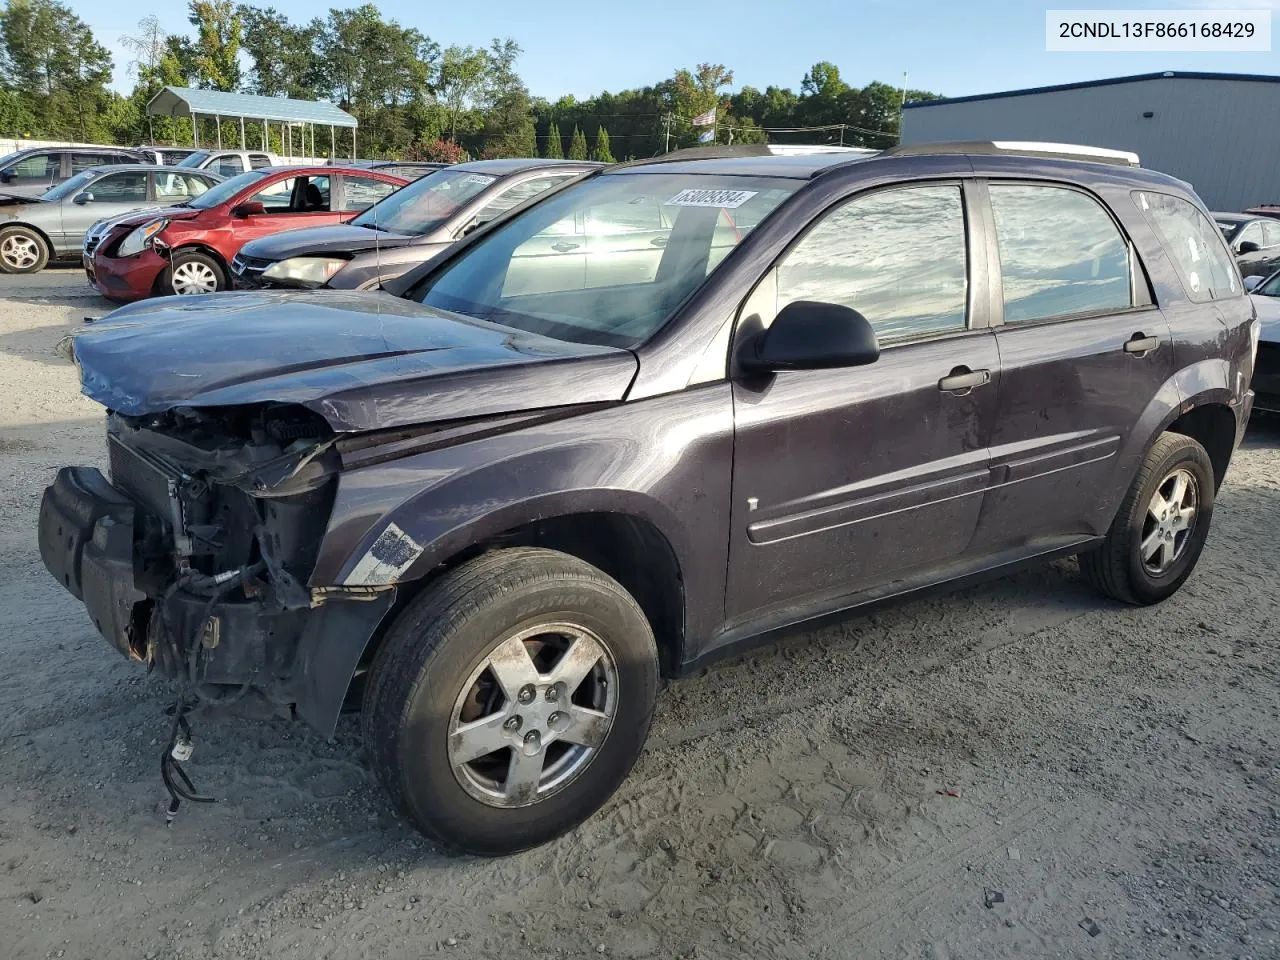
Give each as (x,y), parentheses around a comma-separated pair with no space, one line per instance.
(1019,770)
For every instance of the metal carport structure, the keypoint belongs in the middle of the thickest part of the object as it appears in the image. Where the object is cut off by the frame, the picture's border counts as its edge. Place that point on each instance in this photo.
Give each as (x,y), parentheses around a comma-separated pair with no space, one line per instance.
(289,113)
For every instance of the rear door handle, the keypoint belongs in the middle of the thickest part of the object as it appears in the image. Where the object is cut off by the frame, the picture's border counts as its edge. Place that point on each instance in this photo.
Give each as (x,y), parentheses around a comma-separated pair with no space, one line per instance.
(1141,345)
(961,380)
(658,242)
(563,247)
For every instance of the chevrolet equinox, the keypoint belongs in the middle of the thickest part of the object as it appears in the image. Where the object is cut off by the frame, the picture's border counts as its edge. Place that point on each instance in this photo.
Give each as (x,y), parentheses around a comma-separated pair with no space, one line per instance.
(647,419)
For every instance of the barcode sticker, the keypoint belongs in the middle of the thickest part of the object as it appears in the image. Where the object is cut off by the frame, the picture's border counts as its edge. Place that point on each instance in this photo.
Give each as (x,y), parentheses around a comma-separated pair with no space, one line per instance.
(698,197)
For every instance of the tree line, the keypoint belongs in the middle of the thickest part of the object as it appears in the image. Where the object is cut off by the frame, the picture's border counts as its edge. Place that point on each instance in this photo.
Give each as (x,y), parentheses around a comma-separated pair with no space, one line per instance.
(414,99)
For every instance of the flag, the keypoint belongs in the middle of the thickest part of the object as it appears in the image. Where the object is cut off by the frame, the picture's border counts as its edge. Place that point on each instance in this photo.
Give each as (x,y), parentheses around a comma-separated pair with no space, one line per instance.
(707,136)
(705,119)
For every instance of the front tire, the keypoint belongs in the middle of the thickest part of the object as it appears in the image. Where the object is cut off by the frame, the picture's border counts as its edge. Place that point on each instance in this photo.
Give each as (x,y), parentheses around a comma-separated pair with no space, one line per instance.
(192,273)
(1161,526)
(510,700)
(22,250)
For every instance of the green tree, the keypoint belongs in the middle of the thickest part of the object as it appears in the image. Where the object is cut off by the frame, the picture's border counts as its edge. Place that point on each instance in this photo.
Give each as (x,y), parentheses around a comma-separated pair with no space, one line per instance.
(602,152)
(555,146)
(460,76)
(54,69)
(578,145)
(689,93)
(284,57)
(216,48)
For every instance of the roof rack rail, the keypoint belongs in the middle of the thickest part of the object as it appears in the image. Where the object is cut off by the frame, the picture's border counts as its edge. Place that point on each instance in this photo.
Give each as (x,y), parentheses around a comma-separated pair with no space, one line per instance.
(1061,151)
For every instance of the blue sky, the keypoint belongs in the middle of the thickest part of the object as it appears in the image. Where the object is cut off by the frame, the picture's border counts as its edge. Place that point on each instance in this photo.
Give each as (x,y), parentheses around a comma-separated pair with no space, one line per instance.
(954,47)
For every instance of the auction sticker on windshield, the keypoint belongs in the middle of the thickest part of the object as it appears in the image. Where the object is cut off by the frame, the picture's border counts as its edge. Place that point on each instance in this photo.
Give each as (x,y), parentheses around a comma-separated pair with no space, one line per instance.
(699,197)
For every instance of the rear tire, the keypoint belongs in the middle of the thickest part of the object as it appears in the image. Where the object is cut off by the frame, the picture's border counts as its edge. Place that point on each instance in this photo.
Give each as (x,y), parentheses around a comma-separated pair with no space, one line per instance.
(22,250)
(1154,542)
(535,665)
(192,273)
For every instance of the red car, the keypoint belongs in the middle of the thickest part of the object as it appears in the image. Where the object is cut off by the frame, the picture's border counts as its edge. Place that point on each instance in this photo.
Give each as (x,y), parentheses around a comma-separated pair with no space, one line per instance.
(186,249)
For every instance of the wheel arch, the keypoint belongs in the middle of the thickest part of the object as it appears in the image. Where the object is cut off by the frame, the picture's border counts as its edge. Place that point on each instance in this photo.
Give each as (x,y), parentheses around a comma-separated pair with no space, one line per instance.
(193,246)
(1213,424)
(34,229)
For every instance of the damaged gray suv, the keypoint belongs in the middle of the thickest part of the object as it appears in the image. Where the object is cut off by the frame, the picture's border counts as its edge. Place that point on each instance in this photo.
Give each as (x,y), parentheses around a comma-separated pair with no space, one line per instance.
(648,419)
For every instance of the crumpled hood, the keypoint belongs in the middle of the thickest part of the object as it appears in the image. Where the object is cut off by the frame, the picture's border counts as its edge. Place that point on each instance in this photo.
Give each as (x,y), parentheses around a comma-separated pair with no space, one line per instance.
(1268,316)
(313,241)
(362,360)
(138,217)
(16,200)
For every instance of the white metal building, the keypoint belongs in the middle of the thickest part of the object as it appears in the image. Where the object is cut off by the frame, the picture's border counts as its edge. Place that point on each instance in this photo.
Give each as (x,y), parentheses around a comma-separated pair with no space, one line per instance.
(1218,131)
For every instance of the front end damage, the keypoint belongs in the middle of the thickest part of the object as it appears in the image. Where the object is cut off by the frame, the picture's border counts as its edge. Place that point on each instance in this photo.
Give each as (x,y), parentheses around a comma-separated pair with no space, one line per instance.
(194,556)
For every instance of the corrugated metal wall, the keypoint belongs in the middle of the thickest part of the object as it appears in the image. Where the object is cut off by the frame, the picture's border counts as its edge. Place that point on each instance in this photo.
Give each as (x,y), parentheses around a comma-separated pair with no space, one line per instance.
(1219,135)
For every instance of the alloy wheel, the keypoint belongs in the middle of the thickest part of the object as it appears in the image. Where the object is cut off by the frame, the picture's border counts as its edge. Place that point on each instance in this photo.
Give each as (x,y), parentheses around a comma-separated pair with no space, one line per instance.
(194,277)
(20,252)
(533,714)
(1170,519)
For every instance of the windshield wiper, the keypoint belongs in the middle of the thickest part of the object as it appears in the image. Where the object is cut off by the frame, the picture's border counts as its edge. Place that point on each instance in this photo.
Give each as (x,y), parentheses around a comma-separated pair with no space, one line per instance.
(373,226)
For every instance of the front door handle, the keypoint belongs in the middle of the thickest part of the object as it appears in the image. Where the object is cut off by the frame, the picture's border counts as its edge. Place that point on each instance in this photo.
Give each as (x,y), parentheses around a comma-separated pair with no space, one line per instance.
(563,247)
(658,242)
(961,380)
(1141,345)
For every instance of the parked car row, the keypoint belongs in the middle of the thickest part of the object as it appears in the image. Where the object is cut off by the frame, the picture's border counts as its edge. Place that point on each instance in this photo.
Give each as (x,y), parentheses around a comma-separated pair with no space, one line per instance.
(34,230)
(187,248)
(639,419)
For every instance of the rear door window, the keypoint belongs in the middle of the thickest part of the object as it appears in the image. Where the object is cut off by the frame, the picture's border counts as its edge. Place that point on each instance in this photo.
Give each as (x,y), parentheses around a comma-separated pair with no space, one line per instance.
(228,165)
(1271,234)
(120,188)
(516,195)
(361,193)
(1061,254)
(1204,266)
(896,256)
(258,160)
(85,161)
(180,186)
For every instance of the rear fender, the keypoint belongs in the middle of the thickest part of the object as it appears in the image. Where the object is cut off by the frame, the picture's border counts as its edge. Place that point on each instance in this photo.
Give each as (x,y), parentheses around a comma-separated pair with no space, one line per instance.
(1208,382)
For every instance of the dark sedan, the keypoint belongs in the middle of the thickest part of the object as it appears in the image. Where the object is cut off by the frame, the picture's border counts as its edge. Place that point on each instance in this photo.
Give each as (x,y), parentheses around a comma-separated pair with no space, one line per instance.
(1255,241)
(407,228)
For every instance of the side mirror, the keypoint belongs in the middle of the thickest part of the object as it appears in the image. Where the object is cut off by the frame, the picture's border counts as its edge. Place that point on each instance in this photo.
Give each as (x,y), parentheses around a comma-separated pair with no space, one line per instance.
(7,176)
(808,335)
(469,227)
(250,208)
(1247,246)
(83,198)
(1253,283)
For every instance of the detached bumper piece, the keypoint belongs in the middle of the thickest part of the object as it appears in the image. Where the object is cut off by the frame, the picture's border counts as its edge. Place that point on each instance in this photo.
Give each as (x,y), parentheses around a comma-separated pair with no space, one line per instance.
(86,541)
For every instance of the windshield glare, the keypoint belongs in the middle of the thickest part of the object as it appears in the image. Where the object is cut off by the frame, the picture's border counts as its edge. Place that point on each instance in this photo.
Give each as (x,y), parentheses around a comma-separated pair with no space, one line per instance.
(194,159)
(68,187)
(426,203)
(607,260)
(224,191)
(1227,228)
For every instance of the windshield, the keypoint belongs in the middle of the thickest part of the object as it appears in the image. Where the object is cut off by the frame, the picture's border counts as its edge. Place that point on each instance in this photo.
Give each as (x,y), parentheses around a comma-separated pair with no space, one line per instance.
(425,204)
(194,159)
(1271,287)
(1228,227)
(68,187)
(224,191)
(607,260)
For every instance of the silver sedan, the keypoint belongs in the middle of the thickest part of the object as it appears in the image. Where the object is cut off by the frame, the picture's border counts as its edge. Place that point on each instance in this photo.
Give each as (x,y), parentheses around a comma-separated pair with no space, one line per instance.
(35,230)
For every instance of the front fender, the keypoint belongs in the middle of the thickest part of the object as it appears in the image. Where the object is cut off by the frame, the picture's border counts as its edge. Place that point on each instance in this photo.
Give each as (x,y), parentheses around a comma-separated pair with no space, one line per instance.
(665,460)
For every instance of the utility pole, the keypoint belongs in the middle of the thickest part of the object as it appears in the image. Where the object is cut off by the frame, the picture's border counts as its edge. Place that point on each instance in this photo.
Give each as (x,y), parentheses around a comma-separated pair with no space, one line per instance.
(666,140)
(902,102)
